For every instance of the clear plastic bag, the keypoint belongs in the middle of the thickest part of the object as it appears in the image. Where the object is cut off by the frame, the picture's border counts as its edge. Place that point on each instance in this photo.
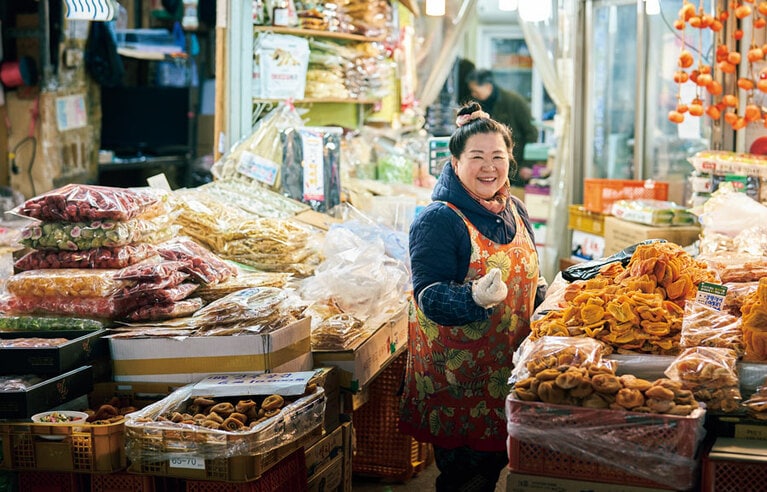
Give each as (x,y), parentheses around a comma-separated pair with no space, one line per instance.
(711,373)
(171,310)
(151,435)
(79,202)
(704,326)
(534,356)
(68,282)
(204,266)
(357,276)
(105,257)
(79,236)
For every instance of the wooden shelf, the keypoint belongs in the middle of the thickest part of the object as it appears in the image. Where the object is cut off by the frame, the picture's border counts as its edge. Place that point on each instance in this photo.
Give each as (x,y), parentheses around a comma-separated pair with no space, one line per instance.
(319,100)
(297,31)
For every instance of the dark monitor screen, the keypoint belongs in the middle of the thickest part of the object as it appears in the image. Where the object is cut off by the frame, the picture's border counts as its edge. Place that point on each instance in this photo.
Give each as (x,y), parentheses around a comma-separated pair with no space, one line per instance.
(145,120)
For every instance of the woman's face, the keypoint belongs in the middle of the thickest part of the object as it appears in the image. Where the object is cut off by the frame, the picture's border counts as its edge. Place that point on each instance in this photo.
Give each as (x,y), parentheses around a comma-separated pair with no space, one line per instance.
(484,164)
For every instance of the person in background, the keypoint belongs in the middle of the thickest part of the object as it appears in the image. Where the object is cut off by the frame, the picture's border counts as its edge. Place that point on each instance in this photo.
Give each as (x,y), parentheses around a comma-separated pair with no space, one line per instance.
(509,108)
(463,93)
(475,284)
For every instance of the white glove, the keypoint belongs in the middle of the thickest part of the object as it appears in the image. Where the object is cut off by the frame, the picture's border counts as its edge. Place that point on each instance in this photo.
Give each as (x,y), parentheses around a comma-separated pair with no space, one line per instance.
(489,290)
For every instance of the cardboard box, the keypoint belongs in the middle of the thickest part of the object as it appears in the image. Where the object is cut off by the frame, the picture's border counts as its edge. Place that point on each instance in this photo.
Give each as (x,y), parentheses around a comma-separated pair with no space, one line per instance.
(620,234)
(47,394)
(329,478)
(329,379)
(316,219)
(519,482)
(361,364)
(327,449)
(348,455)
(81,348)
(287,349)
(537,202)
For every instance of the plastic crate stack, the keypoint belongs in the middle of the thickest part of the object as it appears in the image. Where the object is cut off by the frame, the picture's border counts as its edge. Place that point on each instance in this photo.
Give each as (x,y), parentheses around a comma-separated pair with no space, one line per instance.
(382,451)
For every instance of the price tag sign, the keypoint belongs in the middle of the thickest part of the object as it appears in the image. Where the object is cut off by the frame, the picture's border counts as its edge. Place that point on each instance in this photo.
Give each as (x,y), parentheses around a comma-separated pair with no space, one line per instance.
(258,168)
(191,462)
(711,295)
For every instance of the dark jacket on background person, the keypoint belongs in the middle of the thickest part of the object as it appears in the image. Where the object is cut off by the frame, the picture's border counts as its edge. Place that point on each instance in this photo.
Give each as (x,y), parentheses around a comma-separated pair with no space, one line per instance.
(512,110)
(440,249)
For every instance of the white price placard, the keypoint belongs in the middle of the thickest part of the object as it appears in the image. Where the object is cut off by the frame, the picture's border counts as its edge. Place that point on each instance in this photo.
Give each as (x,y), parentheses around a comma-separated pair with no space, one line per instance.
(191,462)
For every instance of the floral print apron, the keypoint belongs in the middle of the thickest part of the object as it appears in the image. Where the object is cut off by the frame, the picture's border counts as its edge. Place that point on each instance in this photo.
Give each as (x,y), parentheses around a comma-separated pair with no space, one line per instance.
(456,380)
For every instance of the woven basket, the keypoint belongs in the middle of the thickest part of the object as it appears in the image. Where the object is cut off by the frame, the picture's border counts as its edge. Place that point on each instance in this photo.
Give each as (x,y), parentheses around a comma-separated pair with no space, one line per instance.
(382,451)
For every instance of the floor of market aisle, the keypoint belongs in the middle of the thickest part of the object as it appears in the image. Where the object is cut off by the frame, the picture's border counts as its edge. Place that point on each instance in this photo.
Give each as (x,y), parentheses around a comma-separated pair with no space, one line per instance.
(424,481)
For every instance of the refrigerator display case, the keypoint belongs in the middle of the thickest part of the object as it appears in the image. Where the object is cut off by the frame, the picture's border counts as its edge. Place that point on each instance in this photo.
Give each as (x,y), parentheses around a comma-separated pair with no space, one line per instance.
(628,62)
(502,50)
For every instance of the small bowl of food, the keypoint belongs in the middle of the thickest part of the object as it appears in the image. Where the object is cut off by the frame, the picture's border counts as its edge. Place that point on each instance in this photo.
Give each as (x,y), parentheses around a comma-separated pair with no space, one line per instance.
(58,417)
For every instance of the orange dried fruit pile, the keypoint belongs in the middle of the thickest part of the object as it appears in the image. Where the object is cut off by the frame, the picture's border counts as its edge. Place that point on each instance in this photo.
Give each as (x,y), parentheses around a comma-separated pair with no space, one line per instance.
(638,308)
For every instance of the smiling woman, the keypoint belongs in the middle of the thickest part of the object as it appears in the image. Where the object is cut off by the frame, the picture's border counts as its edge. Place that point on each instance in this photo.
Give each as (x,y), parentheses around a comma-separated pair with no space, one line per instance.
(475,285)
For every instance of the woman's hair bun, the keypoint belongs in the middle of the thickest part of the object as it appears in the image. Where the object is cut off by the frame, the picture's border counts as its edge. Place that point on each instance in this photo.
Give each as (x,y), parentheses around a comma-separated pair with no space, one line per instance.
(469,108)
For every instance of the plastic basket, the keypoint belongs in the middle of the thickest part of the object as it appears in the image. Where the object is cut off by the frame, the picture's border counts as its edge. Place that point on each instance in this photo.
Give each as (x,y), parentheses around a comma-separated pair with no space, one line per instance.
(648,434)
(51,482)
(289,475)
(732,476)
(600,194)
(582,220)
(382,451)
(84,448)
(121,482)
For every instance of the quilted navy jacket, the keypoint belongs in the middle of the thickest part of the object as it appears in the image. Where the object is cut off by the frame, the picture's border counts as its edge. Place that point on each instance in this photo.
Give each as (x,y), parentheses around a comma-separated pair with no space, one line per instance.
(440,250)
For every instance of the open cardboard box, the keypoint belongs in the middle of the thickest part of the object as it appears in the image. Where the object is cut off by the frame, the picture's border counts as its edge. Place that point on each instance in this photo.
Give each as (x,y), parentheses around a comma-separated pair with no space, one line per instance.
(188,360)
(359,365)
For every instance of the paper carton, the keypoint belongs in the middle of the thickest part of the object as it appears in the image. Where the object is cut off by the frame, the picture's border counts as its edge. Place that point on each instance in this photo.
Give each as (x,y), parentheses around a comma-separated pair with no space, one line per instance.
(361,364)
(188,360)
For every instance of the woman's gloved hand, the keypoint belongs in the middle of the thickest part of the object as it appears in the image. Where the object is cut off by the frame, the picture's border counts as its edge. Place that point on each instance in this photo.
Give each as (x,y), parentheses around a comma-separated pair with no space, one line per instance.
(489,290)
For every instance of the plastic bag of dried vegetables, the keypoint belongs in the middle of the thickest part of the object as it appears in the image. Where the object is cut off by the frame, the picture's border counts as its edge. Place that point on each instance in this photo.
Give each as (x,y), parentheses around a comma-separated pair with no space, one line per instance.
(310,166)
(258,157)
(79,236)
(45,323)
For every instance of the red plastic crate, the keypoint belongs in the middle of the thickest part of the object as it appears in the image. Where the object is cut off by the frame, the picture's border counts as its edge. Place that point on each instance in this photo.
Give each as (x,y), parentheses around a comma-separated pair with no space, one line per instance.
(121,482)
(381,449)
(51,482)
(733,476)
(289,475)
(600,194)
(649,436)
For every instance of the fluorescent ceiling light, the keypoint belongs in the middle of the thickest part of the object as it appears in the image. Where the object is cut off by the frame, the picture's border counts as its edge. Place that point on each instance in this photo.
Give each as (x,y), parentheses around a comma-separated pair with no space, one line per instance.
(435,7)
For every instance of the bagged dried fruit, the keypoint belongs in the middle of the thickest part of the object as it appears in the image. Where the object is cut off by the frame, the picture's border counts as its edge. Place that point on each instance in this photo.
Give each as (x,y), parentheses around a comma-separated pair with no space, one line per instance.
(106,257)
(703,325)
(203,265)
(175,309)
(79,236)
(79,202)
(65,282)
(711,373)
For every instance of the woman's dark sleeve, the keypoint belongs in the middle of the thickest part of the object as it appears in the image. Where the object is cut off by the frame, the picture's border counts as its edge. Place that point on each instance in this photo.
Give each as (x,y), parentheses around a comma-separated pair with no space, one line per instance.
(439,258)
